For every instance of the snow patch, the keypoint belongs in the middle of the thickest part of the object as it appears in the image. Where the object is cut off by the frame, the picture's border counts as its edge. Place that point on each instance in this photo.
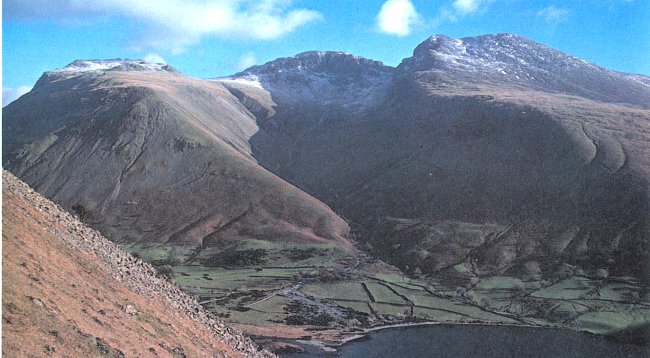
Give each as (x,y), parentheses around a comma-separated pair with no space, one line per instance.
(82,66)
(250,80)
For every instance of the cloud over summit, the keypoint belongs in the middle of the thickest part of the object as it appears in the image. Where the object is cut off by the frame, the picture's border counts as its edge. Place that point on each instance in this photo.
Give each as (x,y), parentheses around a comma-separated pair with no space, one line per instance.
(397,17)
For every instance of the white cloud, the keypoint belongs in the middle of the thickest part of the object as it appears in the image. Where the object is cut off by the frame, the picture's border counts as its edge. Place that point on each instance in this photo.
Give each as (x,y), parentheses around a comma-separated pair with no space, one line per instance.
(466,6)
(459,9)
(175,24)
(397,17)
(247,60)
(554,14)
(154,58)
(11,94)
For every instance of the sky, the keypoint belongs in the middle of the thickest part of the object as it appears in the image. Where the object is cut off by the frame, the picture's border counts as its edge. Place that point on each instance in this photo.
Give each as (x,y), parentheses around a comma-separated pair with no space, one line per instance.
(212,38)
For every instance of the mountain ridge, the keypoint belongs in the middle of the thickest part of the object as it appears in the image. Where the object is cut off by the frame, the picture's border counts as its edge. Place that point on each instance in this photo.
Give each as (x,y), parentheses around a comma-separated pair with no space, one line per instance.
(514,60)
(116,64)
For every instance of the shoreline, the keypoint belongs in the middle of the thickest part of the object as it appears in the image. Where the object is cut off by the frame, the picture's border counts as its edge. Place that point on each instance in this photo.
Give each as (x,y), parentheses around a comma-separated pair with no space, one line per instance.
(344,338)
(333,346)
(353,336)
(507,331)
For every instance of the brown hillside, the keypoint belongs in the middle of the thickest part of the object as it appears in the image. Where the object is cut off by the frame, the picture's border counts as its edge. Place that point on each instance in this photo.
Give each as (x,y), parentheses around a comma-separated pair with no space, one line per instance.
(68,292)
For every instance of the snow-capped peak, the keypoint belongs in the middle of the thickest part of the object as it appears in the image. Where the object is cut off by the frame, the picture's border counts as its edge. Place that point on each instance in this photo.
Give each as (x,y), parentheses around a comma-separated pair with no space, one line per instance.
(323,77)
(322,62)
(511,60)
(499,54)
(83,66)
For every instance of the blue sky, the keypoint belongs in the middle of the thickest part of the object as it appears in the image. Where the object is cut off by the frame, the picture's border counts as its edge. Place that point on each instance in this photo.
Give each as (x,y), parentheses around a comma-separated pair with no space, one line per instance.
(205,38)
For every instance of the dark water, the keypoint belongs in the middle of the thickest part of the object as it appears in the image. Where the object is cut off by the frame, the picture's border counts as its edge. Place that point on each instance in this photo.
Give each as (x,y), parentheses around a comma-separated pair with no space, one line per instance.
(480,341)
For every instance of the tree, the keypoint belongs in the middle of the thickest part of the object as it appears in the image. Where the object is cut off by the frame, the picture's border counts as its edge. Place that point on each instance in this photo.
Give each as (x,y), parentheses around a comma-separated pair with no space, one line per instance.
(518,285)
(602,273)
(470,295)
(486,303)
(81,211)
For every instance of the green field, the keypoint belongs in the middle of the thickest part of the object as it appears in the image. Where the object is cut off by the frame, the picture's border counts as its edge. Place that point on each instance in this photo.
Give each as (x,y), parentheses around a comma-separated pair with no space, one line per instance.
(384,293)
(352,291)
(573,288)
(246,282)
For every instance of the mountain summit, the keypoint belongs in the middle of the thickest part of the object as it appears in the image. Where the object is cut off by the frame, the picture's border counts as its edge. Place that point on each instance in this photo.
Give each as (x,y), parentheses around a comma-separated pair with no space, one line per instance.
(326,62)
(84,66)
(330,78)
(514,61)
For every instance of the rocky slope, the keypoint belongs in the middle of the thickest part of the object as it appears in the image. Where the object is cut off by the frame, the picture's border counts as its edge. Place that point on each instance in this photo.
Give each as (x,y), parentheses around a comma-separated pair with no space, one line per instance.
(67,291)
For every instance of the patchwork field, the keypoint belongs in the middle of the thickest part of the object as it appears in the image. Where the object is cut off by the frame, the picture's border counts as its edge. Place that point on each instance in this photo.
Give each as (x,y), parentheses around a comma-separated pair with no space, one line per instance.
(319,286)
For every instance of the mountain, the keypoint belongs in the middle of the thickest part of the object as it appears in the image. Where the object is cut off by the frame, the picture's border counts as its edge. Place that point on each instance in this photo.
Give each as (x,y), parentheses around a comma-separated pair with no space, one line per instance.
(507,60)
(298,102)
(69,292)
(319,78)
(491,152)
(152,156)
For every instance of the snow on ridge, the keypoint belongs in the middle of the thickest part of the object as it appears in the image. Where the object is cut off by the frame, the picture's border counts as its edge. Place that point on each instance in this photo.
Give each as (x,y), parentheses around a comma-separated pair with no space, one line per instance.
(83,66)
(88,66)
(326,77)
(506,55)
(248,80)
(339,54)
(333,62)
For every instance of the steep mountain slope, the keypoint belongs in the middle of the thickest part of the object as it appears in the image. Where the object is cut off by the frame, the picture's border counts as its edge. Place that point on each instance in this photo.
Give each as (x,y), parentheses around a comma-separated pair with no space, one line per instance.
(493,152)
(294,98)
(150,155)
(68,292)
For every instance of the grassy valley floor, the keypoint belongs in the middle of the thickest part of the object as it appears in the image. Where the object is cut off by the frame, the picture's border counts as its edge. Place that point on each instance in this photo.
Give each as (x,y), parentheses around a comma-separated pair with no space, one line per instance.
(320,293)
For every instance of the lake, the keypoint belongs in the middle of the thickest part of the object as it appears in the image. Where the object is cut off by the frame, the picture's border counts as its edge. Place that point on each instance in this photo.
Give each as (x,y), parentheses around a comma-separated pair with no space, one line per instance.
(479,341)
